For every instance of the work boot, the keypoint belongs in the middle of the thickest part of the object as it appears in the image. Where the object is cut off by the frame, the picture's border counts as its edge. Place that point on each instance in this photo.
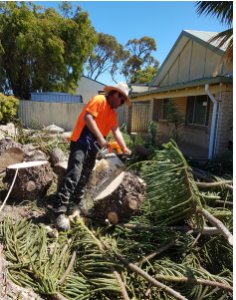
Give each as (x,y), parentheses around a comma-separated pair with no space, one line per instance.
(62,222)
(73,212)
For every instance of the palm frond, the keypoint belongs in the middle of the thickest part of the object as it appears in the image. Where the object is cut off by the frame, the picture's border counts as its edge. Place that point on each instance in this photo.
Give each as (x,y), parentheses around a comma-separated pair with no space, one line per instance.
(223,10)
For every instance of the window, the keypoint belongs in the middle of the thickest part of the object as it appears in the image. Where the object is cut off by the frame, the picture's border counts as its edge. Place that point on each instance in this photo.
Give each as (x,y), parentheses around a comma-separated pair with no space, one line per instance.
(164,109)
(198,110)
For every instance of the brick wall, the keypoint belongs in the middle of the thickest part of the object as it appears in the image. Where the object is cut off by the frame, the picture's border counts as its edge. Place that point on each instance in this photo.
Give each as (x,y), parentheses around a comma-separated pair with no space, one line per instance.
(225,122)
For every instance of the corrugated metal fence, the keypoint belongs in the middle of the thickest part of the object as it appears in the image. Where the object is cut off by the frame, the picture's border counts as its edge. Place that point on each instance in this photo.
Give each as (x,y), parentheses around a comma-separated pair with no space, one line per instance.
(56,97)
(38,114)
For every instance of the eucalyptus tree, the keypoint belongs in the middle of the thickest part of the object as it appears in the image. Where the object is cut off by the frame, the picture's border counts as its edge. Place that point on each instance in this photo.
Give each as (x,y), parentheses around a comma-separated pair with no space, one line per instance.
(140,59)
(40,49)
(223,10)
(105,57)
(144,76)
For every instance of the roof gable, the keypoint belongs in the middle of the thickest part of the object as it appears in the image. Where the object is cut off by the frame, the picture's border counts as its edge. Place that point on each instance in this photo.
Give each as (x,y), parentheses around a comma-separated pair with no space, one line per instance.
(192,57)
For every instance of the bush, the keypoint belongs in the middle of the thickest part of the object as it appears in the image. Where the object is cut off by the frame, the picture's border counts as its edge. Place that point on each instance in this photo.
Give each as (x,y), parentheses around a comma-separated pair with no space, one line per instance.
(8,108)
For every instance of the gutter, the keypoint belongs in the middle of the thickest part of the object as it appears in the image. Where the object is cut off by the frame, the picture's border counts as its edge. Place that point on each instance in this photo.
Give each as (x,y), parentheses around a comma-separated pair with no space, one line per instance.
(213,123)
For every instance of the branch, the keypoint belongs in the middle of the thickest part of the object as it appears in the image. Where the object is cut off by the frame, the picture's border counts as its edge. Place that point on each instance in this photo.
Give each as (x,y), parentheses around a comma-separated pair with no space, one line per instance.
(214,184)
(69,268)
(155,253)
(121,284)
(205,230)
(150,279)
(214,221)
(226,203)
(195,280)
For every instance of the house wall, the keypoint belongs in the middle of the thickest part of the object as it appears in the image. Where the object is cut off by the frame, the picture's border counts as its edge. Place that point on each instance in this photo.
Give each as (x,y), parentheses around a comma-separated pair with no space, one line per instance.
(193,135)
(225,121)
(87,88)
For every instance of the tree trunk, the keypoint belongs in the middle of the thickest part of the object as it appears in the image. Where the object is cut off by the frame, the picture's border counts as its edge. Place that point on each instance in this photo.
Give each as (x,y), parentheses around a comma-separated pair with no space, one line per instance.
(31,182)
(116,202)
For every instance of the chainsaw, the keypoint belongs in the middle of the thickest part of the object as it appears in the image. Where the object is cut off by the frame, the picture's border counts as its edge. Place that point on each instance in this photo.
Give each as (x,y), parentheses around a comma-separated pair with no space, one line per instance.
(108,168)
(112,150)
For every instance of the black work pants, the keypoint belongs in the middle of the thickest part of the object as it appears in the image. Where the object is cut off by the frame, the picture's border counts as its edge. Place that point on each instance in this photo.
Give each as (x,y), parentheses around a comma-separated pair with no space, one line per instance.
(80,165)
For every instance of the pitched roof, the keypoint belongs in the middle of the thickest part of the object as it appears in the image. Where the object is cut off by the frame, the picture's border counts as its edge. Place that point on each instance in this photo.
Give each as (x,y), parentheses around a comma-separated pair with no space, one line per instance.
(201,37)
(206,36)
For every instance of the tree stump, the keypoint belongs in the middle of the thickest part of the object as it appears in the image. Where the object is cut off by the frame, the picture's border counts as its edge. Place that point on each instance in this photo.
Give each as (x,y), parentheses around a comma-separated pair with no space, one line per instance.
(111,193)
(32,182)
(116,200)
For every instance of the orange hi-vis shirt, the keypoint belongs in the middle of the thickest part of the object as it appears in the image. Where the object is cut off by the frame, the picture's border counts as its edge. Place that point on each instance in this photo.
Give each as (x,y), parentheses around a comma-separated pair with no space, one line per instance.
(103,114)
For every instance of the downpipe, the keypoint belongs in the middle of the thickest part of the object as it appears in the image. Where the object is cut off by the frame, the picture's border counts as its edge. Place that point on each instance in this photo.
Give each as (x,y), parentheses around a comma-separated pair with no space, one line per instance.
(213,123)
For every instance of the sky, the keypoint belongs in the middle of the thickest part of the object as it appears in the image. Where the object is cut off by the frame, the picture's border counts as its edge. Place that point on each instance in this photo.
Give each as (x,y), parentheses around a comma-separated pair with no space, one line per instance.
(161,20)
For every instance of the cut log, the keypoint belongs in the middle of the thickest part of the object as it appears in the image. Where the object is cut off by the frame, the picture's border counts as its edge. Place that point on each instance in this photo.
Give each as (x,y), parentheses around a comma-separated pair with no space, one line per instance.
(105,171)
(117,201)
(32,181)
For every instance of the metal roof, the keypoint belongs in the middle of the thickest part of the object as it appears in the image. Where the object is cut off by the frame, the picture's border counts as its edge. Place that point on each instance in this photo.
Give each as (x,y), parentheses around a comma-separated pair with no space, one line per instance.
(206,36)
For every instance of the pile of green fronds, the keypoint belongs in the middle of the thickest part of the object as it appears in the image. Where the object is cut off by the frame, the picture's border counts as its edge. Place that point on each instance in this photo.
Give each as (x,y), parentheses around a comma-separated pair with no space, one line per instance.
(172,194)
(85,263)
(152,257)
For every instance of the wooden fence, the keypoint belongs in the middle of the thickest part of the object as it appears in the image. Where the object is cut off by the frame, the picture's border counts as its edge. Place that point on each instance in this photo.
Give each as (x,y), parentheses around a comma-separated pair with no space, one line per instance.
(141,115)
(35,114)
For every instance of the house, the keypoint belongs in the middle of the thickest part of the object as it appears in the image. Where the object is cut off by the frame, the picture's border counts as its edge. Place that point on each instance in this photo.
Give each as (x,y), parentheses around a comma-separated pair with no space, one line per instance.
(88,87)
(197,82)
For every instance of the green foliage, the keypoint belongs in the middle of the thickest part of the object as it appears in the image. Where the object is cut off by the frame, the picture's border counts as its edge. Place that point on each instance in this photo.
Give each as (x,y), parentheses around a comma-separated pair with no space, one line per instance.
(40,49)
(106,55)
(36,261)
(139,58)
(172,194)
(174,117)
(152,130)
(27,248)
(144,76)
(8,108)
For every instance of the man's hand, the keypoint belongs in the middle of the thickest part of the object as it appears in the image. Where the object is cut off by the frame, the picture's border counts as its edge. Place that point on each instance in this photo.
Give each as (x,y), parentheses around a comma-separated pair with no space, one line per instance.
(127,151)
(102,142)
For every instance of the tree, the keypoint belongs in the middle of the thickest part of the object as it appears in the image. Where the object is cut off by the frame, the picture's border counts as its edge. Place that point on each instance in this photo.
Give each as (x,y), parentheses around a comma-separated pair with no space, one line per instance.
(144,76)
(106,55)
(140,58)
(40,49)
(223,10)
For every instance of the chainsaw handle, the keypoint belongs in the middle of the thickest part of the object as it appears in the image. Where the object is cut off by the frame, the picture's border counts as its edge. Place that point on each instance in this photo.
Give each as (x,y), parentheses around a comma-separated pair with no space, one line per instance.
(101,151)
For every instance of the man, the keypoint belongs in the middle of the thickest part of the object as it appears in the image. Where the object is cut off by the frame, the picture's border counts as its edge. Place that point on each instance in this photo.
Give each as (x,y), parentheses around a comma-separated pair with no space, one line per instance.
(93,125)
